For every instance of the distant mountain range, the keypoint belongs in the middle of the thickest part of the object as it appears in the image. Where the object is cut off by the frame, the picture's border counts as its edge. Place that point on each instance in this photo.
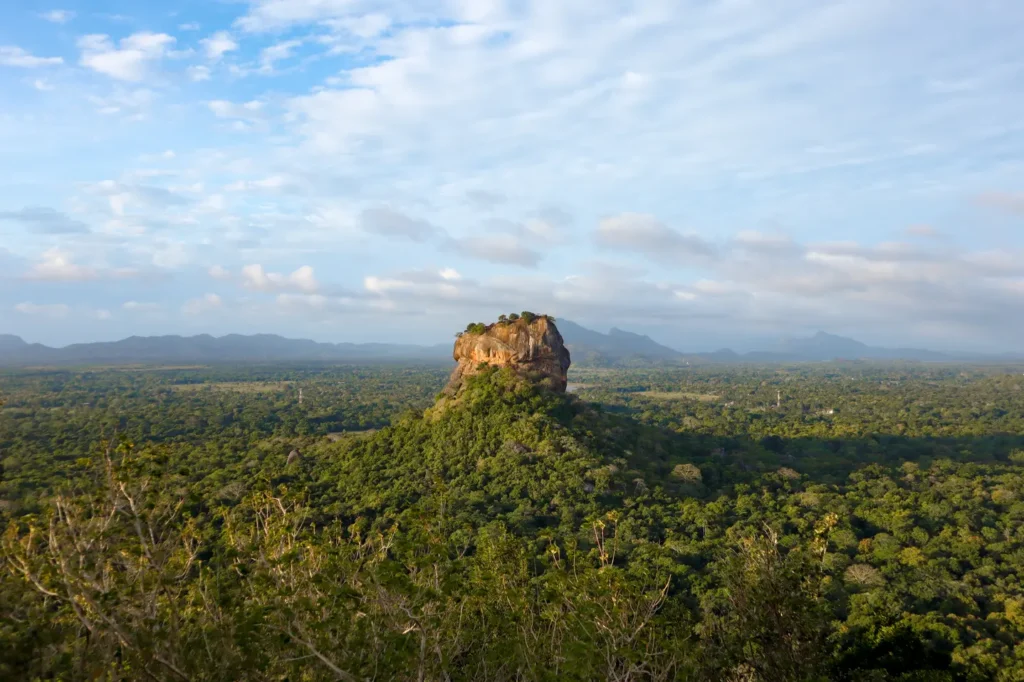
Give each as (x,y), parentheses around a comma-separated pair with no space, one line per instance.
(208,349)
(617,348)
(823,347)
(588,347)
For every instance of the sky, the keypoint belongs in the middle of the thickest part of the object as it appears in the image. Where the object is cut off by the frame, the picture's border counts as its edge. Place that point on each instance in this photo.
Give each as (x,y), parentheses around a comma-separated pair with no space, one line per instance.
(710,172)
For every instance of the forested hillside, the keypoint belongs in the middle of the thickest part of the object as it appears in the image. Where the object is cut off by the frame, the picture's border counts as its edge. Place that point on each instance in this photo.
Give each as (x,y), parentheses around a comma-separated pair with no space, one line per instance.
(820,522)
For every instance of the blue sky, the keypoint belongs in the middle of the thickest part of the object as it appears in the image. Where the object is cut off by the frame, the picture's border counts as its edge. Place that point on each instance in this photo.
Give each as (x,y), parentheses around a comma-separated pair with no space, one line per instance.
(712,172)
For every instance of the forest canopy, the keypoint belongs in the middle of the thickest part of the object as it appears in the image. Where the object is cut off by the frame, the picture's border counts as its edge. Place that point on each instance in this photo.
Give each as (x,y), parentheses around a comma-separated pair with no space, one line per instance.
(815,522)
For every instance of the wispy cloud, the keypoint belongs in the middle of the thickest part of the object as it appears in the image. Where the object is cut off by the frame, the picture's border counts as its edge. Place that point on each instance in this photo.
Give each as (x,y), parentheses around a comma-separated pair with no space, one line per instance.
(219,44)
(58,16)
(202,305)
(386,222)
(51,310)
(1010,202)
(502,249)
(646,234)
(744,164)
(45,220)
(15,56)
(58,266)
(128,61)
(303,279)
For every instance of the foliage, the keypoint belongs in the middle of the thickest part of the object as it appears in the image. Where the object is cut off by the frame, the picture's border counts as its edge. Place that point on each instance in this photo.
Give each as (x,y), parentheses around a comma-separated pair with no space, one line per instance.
(526,316)
(868,526)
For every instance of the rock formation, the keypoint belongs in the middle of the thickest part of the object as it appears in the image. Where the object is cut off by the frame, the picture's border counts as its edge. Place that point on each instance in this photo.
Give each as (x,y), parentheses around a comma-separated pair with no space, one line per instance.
(531,345)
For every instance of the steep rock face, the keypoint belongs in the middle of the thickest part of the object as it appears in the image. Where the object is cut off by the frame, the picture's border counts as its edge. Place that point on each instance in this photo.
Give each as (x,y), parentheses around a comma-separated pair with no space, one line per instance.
(533,349)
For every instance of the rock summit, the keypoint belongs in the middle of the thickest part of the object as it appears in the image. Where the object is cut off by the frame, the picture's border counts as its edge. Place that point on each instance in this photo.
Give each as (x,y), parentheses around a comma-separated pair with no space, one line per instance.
(529,344)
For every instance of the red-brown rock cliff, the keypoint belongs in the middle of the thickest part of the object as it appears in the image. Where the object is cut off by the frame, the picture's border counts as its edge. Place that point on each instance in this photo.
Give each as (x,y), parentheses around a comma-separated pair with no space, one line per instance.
(535,350)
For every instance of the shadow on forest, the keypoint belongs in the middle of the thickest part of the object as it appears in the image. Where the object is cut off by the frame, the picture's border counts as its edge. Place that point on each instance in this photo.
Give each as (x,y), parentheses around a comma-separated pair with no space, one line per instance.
(741,458)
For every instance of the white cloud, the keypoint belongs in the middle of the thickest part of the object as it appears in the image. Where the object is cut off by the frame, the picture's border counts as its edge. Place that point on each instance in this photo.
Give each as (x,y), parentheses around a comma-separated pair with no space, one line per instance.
(199,73)
(450,274)
(265,15)
(134,103)
(170,255)
(16,56)
(503,249)
(59,266)
(547,227)
(272,183)
(51,310)
(128,62)
(1010,202)
(277,53)
(646,234)
(307,302)
(43,220)
(542,230)
(58,16)
(711,116)
(364,26)
(202,305)
(763,284)
(219,44)
(378,285)
(387,222)
(418,286)
(254,277)
(926,231)
(124,195)
(218,272)
(141,307)
(485,200)
(251,110)
(190,26)
(755,242)
(42,85)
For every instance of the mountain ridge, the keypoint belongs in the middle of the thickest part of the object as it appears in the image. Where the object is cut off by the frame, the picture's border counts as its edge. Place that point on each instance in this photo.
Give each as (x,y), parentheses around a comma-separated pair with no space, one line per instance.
(208,348)
(592,347)
(588,347)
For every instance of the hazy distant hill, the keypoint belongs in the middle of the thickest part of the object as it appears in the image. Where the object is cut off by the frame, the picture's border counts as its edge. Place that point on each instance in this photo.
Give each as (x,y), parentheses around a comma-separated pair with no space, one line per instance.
(589,347)
(209,349)
(10,343)
(617,348)
(823,347)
